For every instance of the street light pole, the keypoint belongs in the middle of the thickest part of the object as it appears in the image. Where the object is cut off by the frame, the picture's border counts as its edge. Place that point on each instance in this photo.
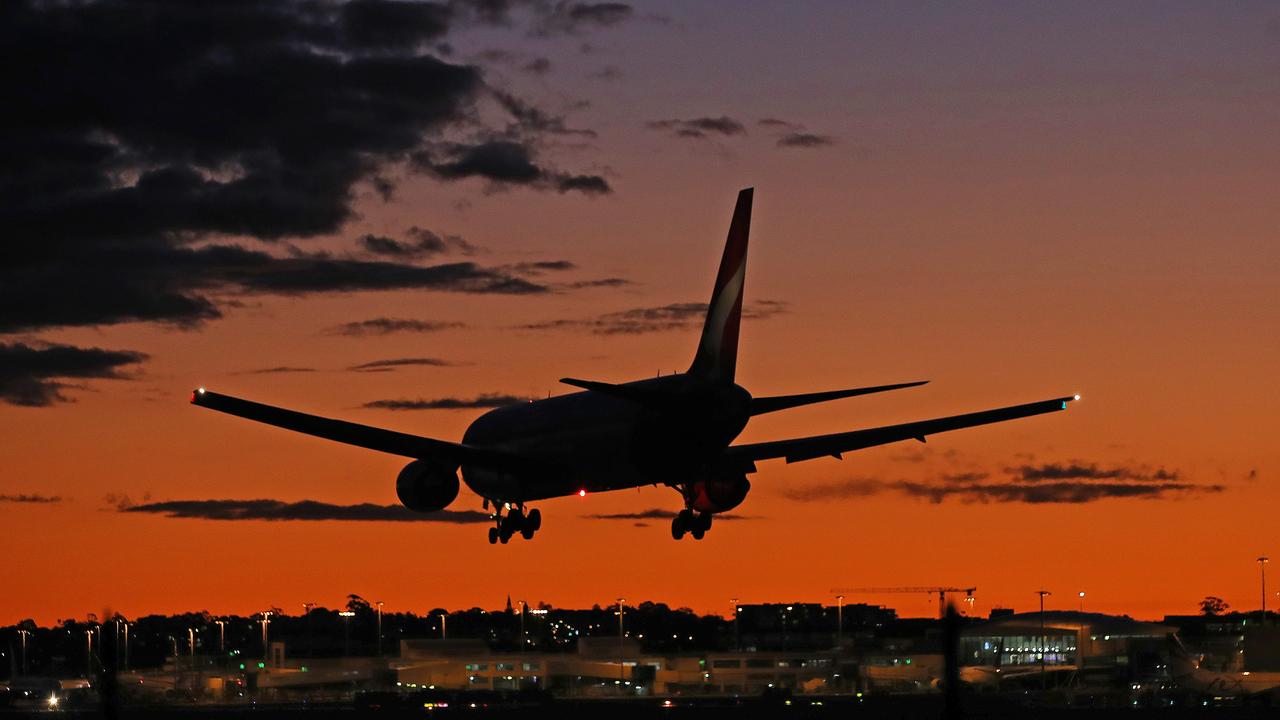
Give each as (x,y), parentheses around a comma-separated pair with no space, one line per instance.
(621,664)
(444,625)
(737,634)
(379,604)
(126,646)
(266,648)
(346,616)
(23,634)
(306,614)
(1043,640)
(1262,565)
(839,620)
(1081,601)
(191,643)
(222,636)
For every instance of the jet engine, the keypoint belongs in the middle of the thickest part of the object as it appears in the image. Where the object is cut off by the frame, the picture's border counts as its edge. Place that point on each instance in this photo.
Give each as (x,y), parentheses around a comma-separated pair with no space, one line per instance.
(427,487)
(720,492)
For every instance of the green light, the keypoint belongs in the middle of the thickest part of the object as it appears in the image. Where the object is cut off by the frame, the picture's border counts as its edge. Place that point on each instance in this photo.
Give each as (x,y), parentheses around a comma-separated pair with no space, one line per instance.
(304,668)
(241,666)
(261,665)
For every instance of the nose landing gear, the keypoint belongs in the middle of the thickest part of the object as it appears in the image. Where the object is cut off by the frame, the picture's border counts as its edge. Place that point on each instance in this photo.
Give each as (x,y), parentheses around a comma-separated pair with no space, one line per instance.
(516,521)
(686,521)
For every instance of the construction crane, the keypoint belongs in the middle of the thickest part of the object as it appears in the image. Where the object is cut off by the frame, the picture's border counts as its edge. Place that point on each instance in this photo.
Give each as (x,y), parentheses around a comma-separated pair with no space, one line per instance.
(929,589)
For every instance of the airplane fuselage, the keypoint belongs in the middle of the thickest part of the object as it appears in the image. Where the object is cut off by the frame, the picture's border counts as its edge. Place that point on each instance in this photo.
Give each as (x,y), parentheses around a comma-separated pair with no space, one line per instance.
(673,430)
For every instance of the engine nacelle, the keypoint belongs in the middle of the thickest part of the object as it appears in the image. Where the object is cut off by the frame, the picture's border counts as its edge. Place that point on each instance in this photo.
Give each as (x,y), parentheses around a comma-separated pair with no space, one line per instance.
(721,492)
(427,487)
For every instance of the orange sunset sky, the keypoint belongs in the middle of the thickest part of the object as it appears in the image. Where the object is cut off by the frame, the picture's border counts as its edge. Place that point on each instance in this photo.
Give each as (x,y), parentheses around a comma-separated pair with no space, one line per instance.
(1014,201)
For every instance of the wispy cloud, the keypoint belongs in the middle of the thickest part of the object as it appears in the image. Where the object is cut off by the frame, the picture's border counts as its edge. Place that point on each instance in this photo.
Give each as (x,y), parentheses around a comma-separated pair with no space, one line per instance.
(278,370)
(1061,483)
(307,510)
(700,127)
(805,140)
(391,364)
(636,321)
(484,400)
(1077,470)
(388,326)
(31,499)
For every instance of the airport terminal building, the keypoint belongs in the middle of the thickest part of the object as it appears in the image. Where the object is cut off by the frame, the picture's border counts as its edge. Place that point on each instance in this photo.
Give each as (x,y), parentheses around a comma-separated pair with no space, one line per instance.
(1101,648)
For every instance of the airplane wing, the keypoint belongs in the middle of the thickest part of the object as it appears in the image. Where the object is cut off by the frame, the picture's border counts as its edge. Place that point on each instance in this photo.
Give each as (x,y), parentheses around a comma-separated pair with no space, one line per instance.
(808,448)
(365,436)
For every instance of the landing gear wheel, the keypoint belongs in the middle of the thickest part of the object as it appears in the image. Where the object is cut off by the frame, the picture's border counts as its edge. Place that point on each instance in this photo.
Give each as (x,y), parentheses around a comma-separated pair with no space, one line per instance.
(682,523)
(704,521)
(504,536)
(526,530)
(535,520)
(697,533)
(493,536)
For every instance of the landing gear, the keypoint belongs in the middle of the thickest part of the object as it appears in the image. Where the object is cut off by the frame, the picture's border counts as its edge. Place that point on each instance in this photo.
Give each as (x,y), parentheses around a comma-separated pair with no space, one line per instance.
(516,521)
(686,521)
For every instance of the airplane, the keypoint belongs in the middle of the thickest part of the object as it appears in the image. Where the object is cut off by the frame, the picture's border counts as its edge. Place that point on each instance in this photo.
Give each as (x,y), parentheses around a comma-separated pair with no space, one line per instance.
(1187,673)
(674,430)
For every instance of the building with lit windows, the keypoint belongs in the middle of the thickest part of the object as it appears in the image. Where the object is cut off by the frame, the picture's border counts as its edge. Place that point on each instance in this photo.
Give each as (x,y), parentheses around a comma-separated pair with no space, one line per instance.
(1099,647)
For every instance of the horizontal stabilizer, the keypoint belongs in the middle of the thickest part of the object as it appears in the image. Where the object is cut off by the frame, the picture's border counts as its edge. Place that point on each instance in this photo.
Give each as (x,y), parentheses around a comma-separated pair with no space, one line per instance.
(762,405)
(605,388)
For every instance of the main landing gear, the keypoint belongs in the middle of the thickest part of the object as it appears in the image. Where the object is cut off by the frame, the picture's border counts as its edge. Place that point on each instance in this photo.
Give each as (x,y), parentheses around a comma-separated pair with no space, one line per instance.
(515,521)
(686,521)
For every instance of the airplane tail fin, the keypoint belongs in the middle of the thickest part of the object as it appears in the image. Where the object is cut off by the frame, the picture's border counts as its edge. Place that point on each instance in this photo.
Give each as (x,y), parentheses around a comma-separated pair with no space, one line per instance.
(717,355)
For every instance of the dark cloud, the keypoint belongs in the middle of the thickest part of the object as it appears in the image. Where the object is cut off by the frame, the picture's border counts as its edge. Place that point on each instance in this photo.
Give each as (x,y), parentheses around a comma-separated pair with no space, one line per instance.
(31,499)
(598,283)
(770,122)
(502,163)
(301,510)
(973,487)
(1090,471)
(699,127)
(393,363)
(805,140)
(421,243)
(484,400)
(32,374)
(564,17)
(964,477)
(608,73)
(659,514)
(279,370)
(528,118)
(138,134)
(636,321)
(387,326)
(537,66)
(539,267)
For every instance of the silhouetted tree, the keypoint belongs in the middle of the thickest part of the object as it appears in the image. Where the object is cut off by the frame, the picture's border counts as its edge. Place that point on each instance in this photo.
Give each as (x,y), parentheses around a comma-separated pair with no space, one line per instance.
(1212,605)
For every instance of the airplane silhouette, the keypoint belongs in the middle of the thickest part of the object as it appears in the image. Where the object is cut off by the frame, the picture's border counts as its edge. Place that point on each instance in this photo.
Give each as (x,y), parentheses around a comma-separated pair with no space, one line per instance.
(674,430)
